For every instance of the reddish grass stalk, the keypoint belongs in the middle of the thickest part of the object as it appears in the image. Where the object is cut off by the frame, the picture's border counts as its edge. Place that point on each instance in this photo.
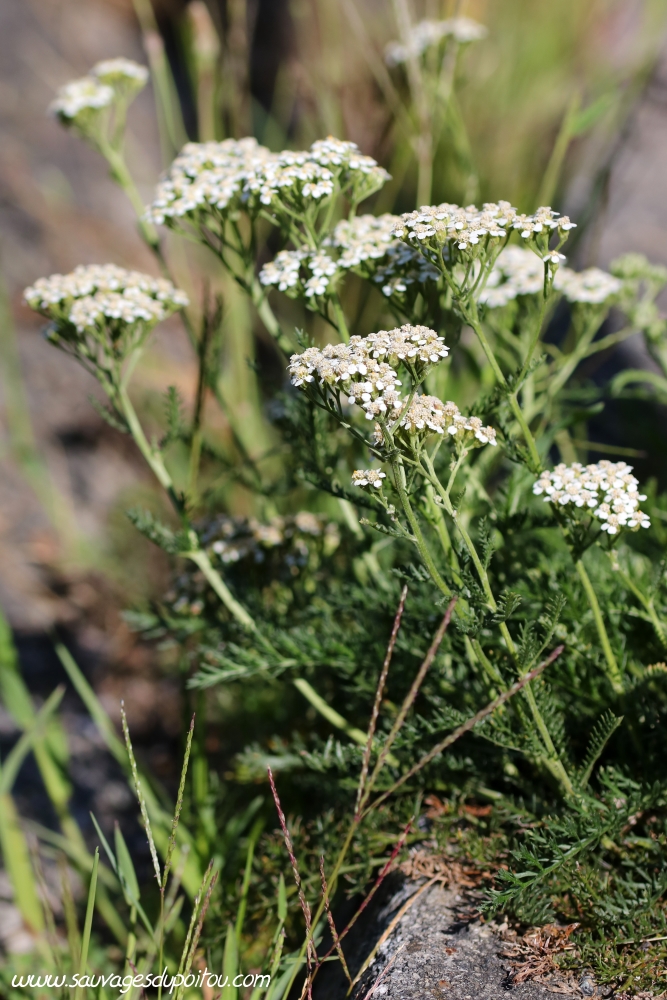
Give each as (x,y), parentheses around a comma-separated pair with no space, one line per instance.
(378,697)
(312,953)
(332,925)
(468,725)
(398,846)
(410,697)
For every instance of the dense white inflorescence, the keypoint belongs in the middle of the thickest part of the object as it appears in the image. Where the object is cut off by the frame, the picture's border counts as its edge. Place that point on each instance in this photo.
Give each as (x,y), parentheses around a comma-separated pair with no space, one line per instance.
(300,272)
(592,286)
(78,96)
(365,369)
(607,489)
(91,295)
(427,33)
(120,70)
(520,272)
(223,176)
(466,227)
(429,414)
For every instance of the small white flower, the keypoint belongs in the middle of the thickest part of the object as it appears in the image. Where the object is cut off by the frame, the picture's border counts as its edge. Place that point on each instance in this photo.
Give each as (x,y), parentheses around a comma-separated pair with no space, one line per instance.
(79,96)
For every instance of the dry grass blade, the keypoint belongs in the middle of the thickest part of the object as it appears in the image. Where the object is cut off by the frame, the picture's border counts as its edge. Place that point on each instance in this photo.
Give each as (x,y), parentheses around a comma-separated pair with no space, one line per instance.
(384,972)
(140,794)
(312,954)
(398,846)
(409,699)
(332,925)
(378,695)
(469,724)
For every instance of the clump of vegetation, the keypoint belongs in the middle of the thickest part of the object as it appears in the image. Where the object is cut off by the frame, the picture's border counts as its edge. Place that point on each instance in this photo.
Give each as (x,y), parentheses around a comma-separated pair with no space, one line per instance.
(414,472)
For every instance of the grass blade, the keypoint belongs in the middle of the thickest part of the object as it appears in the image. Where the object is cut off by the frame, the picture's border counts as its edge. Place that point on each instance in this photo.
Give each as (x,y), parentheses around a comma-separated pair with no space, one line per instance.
(88,924)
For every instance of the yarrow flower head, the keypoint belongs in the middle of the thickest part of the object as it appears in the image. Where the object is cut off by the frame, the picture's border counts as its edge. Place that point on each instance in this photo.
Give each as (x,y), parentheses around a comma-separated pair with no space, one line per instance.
(519,272)
(301,273)
(425,34)
(368,247)
(606,489)
(429,415)
(366,368)
(368,477)
(100,309)
(125,75)
(79,102)
(590,287)
(220,178)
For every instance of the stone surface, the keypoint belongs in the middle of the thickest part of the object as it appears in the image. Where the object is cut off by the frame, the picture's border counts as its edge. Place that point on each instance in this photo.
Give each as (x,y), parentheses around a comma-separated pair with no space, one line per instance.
(436,956)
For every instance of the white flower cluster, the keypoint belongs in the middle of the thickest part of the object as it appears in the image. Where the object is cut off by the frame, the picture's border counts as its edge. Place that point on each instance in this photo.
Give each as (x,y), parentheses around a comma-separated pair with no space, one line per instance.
(428,413)
(80,100)
(234,174)
(93,294)
(368,477)
(300,273)
(367,239)
(427,33)
(464,228)
(365,369)
(363,238)
(591,287)
(608,489)
(520,272)
(80,96)
(121,71)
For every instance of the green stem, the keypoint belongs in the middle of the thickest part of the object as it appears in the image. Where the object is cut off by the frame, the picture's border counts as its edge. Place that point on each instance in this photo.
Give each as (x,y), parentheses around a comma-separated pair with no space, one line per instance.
(196,554)
(123,178)
(200,558)
(341,323)
(267,315)
(332,716)
(399,479)
(552,758)
(646,602)
(613,670)
(512,397)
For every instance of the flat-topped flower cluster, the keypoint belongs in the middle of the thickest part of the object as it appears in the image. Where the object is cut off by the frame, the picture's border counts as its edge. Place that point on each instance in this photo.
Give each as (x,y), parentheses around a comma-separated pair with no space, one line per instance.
(465,227)
(607,489)
(428,33)
(365,245)
(111,78)
(519,272)
(365,369)
(239,174)
(428,414)
(96,294)
(368,477)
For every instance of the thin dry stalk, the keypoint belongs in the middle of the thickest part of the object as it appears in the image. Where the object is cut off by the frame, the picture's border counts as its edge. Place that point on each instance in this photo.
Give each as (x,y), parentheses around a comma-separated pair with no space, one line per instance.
(312,954)
(468,725)
(332,925)
(384,972)
(410,697)
(378,696)
(398,846)
(193,918)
